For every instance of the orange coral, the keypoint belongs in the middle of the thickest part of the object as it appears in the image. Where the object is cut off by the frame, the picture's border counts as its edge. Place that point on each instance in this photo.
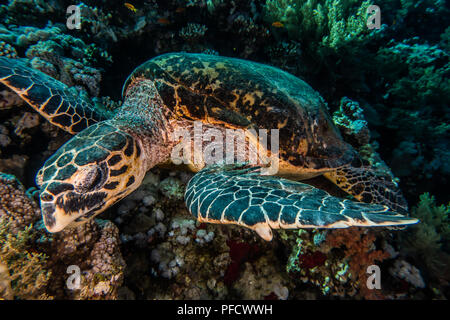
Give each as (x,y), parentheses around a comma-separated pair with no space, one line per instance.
(360,251)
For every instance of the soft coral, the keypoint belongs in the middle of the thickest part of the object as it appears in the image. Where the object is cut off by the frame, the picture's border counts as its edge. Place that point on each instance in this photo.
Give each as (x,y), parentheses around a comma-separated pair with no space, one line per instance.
(240,252)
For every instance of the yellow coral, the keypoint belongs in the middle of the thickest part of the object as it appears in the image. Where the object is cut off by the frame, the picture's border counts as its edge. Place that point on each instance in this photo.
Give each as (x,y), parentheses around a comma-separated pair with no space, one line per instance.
(26,269)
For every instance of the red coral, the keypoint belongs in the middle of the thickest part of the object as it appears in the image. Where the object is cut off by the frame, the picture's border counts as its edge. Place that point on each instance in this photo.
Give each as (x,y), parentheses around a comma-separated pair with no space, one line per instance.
(240,252)
(311,260)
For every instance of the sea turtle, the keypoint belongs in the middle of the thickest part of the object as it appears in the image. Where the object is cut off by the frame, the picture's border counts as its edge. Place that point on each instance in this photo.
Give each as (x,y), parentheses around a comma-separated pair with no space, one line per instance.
(111,151)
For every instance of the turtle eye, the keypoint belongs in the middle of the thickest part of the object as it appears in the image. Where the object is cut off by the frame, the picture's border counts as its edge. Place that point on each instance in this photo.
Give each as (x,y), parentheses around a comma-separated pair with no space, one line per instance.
(93,179)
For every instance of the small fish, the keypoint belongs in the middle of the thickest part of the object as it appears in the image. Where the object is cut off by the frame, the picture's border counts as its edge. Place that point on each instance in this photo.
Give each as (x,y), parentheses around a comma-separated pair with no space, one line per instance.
(163,21)
(277,24)
(180,10)
(130,6)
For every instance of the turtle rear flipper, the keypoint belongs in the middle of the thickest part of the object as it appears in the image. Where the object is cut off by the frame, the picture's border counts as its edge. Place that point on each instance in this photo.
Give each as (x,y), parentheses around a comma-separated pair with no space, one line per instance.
(51,98)
(369,186)
(240,195)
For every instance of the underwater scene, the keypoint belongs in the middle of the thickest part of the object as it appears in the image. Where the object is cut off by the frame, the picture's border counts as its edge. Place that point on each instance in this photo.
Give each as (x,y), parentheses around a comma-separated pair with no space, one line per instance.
(224,150)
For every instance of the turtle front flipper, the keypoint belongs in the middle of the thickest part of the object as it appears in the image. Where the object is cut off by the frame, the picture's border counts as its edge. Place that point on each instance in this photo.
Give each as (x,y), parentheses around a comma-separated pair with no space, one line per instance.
(368,185)
(237,194)
(54,100)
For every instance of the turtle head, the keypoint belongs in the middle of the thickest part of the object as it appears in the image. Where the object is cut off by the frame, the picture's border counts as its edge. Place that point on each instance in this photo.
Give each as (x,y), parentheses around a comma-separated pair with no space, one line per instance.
(92,171)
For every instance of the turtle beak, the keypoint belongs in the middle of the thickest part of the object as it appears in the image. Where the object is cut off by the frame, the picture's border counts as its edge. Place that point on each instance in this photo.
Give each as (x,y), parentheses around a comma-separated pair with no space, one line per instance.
(55,219)
(48,215)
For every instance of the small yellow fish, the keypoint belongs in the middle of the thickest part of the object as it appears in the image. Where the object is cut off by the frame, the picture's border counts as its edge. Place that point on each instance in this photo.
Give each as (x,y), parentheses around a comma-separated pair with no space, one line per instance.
(277,24)
(130,6)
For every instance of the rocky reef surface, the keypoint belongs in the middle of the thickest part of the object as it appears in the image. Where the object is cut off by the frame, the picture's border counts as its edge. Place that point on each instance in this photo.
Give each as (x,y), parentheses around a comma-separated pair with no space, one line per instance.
(388,91)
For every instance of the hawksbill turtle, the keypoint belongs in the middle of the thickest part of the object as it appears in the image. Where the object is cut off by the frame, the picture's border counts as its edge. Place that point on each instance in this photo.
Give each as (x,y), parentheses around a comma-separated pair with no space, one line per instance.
(110,152)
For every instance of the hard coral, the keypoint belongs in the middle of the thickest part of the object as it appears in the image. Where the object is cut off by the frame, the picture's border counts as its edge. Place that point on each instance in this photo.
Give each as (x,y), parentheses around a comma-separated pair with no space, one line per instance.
(7,50)
(15,206)
(360,252)
(193,32)
(350,120)
(37,261)
(25,271)
(337,264)
(332,23)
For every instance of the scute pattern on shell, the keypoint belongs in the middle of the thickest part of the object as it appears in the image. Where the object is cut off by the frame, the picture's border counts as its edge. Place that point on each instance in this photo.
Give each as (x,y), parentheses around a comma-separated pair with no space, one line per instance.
(54,100)
(243,94)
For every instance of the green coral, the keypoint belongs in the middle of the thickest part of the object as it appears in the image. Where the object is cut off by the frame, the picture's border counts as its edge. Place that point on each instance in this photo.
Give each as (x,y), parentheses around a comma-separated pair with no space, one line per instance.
(213,4)
(418,74)
(428,240)
(332,36)
(330,275)
(331,24)
(28,276)
(172,188)
(445,40)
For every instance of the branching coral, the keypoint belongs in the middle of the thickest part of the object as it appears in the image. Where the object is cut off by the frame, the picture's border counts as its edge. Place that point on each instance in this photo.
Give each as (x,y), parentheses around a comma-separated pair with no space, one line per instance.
(333,36)
(62,56)
(428,241)
(336,261)
(24,268)
(97,23)
(417,86)
(332,23)
(27,270)
(360,252)
(310,265)
(193,32)
(33,11)
(418,68)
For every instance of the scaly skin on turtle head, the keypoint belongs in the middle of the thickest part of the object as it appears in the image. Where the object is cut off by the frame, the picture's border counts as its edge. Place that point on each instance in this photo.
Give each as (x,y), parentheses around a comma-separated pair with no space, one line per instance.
(92,171)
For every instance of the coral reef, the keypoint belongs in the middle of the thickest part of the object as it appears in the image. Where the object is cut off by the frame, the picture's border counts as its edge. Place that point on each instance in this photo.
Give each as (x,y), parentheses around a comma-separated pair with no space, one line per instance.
(427,243)
(34,262)
(331,23)
(24,271)
(335,261)
(62,56)
(261,279)
(350,120)
(193,32)
(419,87)
(407,272)
(6,50)
(388,90)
